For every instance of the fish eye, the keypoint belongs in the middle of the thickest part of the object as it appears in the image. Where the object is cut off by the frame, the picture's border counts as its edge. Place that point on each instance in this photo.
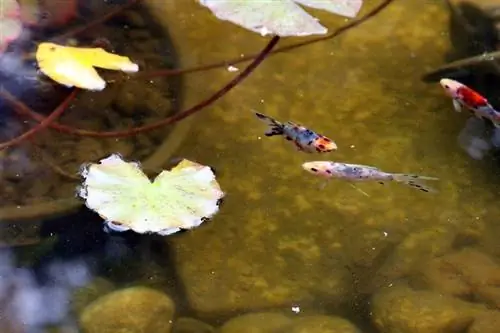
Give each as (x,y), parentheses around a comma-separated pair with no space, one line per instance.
(447,86)
(314,169)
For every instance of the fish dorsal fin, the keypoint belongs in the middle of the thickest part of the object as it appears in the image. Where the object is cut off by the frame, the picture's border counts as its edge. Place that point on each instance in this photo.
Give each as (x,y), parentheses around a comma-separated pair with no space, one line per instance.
(363,166)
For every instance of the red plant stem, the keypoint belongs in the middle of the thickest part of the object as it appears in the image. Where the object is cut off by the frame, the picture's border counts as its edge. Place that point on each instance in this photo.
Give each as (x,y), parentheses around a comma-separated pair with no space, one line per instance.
(43,124)
(24,109)
(226,63)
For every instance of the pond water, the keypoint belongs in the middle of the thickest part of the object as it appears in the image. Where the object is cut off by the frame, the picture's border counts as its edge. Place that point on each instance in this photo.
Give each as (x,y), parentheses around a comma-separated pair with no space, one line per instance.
(283,246)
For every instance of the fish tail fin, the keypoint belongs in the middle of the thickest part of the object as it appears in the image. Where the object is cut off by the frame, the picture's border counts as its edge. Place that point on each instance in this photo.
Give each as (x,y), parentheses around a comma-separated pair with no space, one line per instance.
(496,119)
(275,127)
(415,181)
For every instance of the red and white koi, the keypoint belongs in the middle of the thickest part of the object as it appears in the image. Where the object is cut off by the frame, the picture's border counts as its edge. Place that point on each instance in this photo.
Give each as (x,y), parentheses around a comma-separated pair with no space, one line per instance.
(359,172)
(304,139)
(465,97)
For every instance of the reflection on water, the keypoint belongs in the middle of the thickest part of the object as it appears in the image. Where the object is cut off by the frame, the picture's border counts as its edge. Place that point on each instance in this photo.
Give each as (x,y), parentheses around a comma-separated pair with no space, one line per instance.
(283,254)
(474,139)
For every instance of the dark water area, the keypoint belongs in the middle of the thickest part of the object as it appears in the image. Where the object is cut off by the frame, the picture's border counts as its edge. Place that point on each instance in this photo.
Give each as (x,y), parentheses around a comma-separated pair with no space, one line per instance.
(286,252)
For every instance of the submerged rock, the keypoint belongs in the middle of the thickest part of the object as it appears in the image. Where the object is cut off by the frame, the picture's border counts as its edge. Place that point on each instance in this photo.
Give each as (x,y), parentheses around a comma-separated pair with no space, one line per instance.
(467,273)
(320,324)
(488,322)
(415,249)
(85,295)
(402,310)
(265,322)
(132,310)
(191,325)
(280,323)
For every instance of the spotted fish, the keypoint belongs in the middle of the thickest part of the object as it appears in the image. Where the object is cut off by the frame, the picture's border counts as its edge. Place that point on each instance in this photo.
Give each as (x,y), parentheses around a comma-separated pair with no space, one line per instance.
(465,97)
(303,138)
(359,172)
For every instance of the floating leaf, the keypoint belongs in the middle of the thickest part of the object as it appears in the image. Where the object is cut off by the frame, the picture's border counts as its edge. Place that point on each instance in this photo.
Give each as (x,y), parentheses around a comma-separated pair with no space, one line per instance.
(125,197)
(280,17)
(74,66)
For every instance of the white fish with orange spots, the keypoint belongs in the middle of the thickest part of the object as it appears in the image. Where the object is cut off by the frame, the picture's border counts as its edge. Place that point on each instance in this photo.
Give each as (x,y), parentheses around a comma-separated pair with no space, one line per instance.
(359,172)
(303,138)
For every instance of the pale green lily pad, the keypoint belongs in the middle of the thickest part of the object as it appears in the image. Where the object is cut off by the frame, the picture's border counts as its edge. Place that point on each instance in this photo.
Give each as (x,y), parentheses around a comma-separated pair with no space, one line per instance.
(279,17)
(126,199)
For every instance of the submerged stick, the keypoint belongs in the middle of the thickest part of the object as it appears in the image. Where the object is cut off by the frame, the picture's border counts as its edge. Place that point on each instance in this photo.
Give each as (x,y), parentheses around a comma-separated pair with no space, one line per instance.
(481,59)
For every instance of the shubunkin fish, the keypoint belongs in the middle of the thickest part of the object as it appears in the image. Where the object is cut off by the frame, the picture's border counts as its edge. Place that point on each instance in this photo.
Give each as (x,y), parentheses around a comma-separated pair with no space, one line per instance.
(359,172)
(304,139)
(465,97)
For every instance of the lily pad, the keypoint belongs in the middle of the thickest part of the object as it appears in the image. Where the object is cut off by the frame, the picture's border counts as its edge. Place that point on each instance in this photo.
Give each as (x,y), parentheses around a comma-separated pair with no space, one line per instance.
(123,195)
(280,17)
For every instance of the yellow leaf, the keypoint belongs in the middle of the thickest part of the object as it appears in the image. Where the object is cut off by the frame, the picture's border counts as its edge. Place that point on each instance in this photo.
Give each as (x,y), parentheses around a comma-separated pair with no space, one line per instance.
(74,66)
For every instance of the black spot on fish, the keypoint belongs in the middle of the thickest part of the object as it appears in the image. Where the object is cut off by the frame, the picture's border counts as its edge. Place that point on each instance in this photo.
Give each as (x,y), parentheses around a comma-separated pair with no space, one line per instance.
(310,143)
(321,147)
(288,138)
(318,150)
(220,201)
(328,172)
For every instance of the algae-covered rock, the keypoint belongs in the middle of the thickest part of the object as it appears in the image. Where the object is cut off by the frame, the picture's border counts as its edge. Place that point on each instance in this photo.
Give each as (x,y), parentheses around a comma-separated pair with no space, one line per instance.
(415,249)
(85,295)
(132,310)
(320,324)
(191,325)
(265,322)
(467,273)
(401,310)
(488,322)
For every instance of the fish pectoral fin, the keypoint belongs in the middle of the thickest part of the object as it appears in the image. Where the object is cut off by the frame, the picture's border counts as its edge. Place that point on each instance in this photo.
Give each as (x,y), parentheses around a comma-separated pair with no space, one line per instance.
(457,106)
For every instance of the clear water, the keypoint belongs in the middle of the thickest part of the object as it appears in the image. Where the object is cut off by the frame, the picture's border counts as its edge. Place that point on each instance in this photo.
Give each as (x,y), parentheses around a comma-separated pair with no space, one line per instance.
(280,239)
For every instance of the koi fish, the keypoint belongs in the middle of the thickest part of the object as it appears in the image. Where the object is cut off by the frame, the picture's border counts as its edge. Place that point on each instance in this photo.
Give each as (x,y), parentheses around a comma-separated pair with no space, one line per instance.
(304,139)
(465,97)
(359,172)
